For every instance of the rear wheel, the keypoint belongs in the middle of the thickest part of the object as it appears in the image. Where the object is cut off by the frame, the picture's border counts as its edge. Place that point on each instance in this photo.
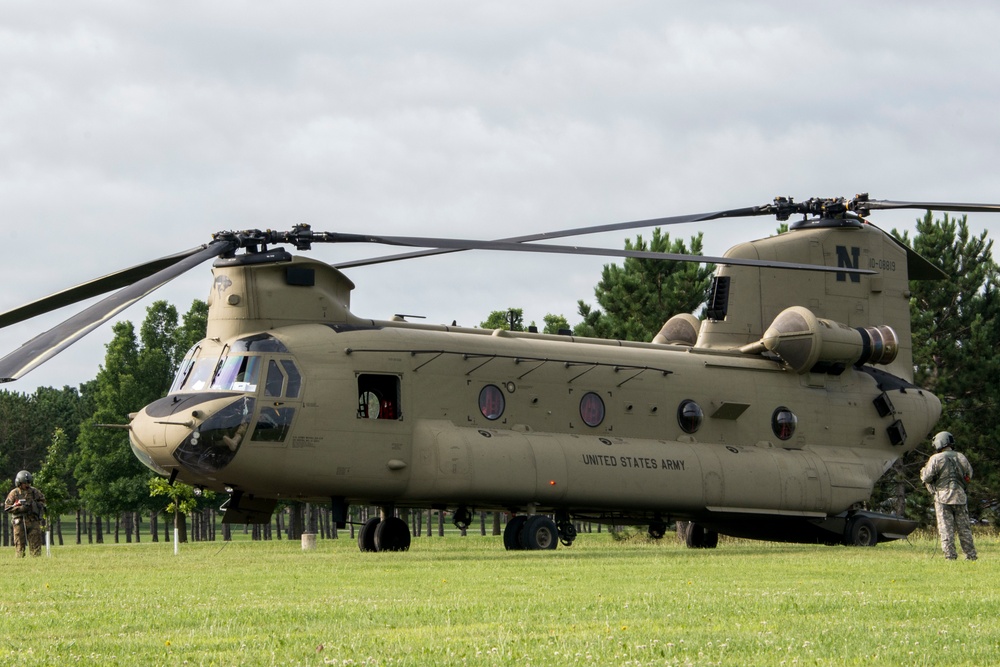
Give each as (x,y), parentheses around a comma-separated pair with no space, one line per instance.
(698,537)
(861,532)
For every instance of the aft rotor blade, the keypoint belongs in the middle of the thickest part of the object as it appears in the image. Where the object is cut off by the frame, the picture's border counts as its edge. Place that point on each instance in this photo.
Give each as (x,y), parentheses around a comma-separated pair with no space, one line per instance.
(469,244)
(40,349)
(93,288)
(579,231)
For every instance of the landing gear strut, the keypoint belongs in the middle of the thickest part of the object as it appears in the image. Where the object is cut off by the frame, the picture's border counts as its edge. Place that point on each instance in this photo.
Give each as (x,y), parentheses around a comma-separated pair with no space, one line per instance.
(462,518)
(567,531)
(657,529)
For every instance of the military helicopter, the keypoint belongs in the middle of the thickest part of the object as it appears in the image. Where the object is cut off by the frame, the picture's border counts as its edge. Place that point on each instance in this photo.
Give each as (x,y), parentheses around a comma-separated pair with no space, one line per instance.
(770,419)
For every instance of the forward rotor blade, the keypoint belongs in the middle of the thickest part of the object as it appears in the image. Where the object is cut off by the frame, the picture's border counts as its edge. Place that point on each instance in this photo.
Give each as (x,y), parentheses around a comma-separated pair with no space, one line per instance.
(469,244)
(579,231)
(95,287)
(45,346)
(885,205)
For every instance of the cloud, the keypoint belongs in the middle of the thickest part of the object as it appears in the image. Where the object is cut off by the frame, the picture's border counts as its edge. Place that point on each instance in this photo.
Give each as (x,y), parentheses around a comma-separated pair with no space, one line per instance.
(129,132)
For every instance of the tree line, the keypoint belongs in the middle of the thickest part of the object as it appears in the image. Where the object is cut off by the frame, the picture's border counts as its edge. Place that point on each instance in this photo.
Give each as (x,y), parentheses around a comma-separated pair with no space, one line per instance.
(83,464)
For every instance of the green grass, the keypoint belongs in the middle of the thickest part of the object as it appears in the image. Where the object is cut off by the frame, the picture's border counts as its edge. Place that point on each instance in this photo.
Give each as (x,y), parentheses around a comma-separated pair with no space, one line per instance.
(467,601)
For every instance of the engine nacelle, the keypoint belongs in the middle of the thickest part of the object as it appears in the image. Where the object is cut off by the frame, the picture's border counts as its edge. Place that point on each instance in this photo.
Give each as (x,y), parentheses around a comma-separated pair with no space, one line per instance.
(809,343)
(679,330)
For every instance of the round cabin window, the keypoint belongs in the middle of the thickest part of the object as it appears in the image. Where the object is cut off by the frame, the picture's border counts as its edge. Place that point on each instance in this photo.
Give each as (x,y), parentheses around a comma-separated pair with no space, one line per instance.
(783,423)
(491,402)
(690,416)
(591,409)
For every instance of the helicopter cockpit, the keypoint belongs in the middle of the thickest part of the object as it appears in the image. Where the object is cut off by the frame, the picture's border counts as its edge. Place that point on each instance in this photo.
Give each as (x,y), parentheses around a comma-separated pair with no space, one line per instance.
(246,393)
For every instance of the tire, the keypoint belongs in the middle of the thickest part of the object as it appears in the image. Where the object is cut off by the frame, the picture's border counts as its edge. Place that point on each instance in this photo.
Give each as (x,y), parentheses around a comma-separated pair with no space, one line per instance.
(392,535)
(711,539)
(540,533)
(657,530)
(861,532)
(694,536)
(366,536)
(512,533)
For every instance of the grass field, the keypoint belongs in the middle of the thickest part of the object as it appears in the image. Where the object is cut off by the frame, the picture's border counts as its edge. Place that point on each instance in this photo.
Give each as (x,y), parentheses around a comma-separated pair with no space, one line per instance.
(467,601)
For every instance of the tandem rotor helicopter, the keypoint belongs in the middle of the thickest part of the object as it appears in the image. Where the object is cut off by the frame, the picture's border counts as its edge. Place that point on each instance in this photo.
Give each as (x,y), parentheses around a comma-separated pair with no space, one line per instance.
(770,419)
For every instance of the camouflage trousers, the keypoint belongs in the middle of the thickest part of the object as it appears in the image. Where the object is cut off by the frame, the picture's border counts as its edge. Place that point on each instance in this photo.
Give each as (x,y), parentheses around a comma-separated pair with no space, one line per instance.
(952,519)
(33,528)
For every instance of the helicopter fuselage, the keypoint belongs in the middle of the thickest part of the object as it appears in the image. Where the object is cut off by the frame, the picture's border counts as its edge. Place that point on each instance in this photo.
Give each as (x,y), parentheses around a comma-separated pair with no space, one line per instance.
(393,413)
(771,418)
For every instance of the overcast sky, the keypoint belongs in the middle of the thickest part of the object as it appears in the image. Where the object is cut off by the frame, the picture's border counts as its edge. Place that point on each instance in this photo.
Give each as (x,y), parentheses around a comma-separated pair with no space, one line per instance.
(130,131)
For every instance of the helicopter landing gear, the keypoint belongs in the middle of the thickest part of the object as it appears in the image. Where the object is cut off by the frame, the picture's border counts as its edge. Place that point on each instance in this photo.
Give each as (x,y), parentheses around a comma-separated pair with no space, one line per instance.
(861,532)
(366,536)
(540,533)
(392,534)
(533,533)
(657,529)
(462,518)
(388,534)
(567,531)
(512,533)
(699,537)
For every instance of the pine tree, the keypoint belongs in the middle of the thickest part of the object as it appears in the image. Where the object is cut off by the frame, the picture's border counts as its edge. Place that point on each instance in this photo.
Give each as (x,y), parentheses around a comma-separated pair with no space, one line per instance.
(641,295)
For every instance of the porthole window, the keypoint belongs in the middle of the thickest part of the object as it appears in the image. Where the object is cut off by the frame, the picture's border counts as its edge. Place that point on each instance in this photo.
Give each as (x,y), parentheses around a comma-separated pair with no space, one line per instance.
(592,409)
(690,416)
(491,402)
(783,423)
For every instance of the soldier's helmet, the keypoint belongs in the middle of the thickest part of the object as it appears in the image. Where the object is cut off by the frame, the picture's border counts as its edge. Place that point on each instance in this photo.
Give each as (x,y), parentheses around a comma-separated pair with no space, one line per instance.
(23,477)
(942,440)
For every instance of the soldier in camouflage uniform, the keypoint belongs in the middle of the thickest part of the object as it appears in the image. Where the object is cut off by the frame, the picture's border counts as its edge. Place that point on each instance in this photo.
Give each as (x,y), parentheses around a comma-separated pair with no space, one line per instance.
(27,504)
(946,475)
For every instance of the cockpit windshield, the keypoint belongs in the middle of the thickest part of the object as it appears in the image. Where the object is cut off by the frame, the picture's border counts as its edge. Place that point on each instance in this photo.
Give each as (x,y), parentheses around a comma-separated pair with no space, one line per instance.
(194,373)
(237,373)
(239,368)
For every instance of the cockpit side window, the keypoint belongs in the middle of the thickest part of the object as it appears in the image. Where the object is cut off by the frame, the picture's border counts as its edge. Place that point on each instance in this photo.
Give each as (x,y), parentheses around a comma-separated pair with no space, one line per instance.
(275,379)
(294,378)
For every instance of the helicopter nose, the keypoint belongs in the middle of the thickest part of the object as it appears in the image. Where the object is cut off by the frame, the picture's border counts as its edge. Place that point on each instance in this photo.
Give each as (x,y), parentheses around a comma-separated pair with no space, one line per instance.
(201,432)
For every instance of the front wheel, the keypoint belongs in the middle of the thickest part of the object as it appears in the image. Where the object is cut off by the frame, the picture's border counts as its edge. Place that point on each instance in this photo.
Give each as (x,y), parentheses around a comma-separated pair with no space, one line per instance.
(512,533)
(366,536)
(540,533)
(392,535)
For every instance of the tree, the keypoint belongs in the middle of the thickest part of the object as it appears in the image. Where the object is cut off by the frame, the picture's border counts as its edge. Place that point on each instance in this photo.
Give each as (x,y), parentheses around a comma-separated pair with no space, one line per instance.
(956,335)
(136,372)
(193,326)
(55,477)
(641,295)
(19,446)
(511,319)
(111,479)
(182,502)
(555,324)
